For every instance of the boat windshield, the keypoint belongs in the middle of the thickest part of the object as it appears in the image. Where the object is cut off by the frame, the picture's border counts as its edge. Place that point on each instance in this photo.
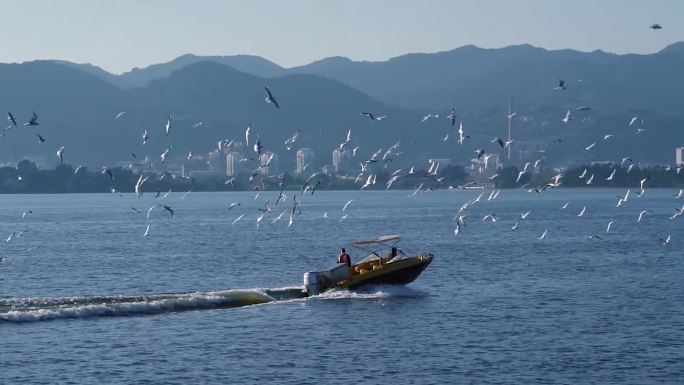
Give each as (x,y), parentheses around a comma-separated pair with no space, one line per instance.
(371,257)
(378,248)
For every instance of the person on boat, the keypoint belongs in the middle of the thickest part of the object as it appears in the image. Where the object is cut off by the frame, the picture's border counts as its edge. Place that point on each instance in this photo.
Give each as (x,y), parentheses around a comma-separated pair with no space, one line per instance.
(392,254)
(344,258)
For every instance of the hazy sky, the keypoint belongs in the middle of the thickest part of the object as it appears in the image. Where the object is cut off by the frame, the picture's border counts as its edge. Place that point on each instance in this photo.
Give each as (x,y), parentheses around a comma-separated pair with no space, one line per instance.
(118,35)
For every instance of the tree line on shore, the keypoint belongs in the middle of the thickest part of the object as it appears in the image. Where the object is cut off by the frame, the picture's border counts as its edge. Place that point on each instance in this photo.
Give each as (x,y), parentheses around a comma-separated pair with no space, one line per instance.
(26,177)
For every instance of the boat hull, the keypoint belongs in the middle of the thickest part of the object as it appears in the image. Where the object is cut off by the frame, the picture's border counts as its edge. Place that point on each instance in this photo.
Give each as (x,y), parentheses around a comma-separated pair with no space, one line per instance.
(401,272)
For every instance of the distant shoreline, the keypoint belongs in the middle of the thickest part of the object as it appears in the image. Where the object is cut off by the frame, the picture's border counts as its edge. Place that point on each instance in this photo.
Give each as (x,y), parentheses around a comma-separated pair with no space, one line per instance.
(343,190)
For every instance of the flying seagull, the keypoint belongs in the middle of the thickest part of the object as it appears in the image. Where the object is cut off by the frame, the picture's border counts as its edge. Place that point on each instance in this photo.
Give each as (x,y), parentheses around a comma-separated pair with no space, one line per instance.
(167,127)
(60,154)
(138,185)
(452,117)
(11,119)
(249,128)
(279,216)
(461,137)
(497,140)
(108,172)
(270,98)
(236,220)
(40,138)
(257,146)
(370,116)
(347,204)
(429,116)
(567,117)
(666,241)
(164,155)
(655,26)
(167,208)
(561,85)
(33,121)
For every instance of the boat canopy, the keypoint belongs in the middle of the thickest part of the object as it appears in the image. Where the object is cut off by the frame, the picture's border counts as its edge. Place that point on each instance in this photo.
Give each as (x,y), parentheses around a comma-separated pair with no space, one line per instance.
(380,240)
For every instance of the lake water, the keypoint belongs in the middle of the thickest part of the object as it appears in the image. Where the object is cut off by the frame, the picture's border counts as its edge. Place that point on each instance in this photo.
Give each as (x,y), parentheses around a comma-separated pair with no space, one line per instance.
(84,296)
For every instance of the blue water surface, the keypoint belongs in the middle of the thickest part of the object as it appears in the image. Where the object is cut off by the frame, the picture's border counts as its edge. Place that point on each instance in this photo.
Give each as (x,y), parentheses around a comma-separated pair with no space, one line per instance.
(80,290)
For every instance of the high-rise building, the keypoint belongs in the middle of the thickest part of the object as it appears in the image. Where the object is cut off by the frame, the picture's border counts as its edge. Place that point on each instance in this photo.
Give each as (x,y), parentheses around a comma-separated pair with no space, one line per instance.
(341,160)
(233,163)
(269,163)
(215,161)
(679,156)
(305,157)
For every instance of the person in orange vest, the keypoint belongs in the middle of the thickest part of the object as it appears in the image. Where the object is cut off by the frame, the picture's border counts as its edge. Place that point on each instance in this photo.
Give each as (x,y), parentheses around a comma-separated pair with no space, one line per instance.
(344,258)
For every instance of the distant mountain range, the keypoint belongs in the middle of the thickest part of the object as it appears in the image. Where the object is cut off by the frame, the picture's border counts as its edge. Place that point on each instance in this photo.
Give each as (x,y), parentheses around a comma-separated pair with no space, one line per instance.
(216,97)
(470,77)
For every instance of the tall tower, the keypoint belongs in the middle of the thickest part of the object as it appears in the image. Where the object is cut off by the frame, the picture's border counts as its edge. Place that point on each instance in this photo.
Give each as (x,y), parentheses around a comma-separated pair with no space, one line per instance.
(305,157)
(510,119)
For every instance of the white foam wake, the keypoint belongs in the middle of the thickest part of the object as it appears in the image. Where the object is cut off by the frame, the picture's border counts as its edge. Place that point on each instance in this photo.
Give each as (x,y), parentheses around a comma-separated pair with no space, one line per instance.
(372,292)
(34,309)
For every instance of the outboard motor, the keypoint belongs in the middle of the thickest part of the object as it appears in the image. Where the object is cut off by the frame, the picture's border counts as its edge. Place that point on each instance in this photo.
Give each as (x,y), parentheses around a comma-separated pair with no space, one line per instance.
(316,282)
(313,282)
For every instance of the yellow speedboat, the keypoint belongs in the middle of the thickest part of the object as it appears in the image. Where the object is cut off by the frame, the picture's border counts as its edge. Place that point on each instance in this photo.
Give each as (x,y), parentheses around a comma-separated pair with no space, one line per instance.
(399,269)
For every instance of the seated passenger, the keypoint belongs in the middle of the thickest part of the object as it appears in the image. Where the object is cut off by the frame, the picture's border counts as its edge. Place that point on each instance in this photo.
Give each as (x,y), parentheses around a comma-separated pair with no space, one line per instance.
(344,258)
(392,254)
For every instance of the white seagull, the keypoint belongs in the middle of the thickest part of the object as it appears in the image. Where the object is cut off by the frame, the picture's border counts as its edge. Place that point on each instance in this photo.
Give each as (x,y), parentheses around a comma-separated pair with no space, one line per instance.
(167,127)
(581,213)
(567,117)
(60,154)
(666,241)
(347,204)
(237,219)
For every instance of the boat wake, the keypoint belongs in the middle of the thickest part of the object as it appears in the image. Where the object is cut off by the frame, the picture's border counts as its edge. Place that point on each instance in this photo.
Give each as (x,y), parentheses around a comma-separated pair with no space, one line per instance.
(42,309)
(372,292)
(32,309)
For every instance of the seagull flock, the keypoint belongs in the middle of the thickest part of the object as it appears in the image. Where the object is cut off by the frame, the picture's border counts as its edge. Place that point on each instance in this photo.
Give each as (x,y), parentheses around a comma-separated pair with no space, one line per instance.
(290,207)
